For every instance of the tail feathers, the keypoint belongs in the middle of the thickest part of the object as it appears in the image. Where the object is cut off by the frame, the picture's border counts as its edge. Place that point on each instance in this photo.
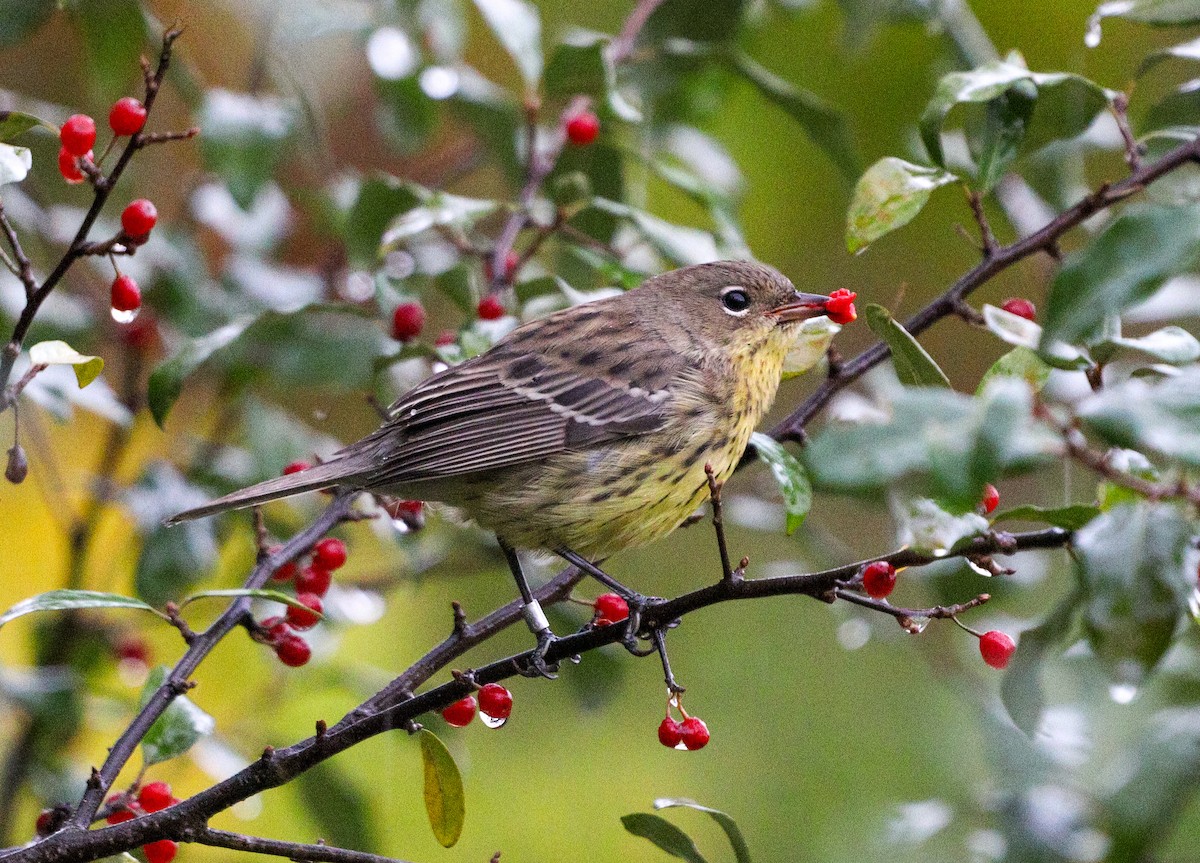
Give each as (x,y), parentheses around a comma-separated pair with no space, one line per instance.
(317,477)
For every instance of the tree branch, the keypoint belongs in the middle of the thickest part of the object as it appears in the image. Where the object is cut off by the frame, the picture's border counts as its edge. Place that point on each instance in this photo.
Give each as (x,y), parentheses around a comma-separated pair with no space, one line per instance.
(319,853)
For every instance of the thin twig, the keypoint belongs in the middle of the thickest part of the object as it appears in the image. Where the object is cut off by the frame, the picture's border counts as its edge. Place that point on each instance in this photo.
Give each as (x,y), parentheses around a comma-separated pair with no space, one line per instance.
(24,270)
(718,520)
(317,853)
(908,617)
(1133,150)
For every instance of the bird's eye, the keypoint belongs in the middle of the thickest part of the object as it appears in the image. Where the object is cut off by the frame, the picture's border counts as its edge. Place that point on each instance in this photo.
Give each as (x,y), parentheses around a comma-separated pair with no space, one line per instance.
(735,300)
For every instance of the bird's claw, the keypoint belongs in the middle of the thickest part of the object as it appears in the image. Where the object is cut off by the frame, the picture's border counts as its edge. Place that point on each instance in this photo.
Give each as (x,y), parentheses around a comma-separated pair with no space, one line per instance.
(537,665)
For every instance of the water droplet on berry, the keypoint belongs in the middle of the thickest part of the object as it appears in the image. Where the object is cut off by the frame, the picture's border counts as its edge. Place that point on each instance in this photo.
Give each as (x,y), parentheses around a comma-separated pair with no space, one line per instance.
(124,317)
(492,721)
(1122,693)
(680,746)
(401,526)
(916,625)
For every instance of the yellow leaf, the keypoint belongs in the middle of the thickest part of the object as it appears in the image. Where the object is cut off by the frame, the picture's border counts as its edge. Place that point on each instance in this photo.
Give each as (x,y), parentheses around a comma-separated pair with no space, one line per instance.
(444,800)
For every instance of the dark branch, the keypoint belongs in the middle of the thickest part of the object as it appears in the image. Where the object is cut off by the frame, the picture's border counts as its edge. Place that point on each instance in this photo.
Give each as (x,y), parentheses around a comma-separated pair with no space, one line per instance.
(318,853)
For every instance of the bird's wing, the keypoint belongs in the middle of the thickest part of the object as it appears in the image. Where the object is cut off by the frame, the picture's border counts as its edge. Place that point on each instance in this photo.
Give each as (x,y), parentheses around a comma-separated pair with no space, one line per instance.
(503,409)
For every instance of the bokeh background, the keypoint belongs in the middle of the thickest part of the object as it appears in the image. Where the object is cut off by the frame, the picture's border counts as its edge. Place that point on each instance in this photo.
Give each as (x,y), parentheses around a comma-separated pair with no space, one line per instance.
(836,737)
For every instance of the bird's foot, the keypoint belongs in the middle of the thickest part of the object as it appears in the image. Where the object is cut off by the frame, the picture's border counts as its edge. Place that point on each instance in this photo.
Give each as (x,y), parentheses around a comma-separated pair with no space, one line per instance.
(537,666)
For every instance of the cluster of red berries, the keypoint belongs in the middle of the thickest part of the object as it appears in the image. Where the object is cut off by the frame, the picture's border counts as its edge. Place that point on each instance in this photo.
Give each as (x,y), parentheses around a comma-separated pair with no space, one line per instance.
(152,797)
(691,733)
(1020,307)
(494,702)
(311,581)
(78,135)
(839,308)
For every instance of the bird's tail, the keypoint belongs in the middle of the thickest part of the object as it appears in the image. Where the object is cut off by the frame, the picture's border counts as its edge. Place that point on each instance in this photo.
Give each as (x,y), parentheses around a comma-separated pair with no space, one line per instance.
(320,476)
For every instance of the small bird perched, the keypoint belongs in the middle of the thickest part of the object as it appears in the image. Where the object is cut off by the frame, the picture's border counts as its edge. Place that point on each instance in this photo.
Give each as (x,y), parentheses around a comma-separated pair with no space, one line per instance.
(585,432)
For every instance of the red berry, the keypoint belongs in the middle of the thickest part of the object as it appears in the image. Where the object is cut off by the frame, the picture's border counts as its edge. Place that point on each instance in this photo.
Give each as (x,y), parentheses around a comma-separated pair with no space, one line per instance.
(140,333)
(445,339)
(839,308)
(695,733)
(299,618)
(122,811)
(991,498)
(295,467)
(670,732)
(138,218)
(162,851)
(407,321)
(610,607)
(276,628)
(490,308)
(879,578)
(495,701)
(996,648)
(461,712)
(131,648)
(1020,307)
(314,579)
(583,128)
(329,553)
(126,296)
(286,572)
(155,796)
(68,166)
(293,650)
(511,260)
(411,508)
(127,116)
(46,822)
(78,134)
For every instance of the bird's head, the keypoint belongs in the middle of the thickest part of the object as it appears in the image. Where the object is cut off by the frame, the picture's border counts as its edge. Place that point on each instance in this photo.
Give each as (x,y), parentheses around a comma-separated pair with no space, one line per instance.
(737,306)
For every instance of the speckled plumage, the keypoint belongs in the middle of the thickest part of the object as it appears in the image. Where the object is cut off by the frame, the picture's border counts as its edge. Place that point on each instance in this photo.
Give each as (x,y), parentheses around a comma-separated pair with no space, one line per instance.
(588,429)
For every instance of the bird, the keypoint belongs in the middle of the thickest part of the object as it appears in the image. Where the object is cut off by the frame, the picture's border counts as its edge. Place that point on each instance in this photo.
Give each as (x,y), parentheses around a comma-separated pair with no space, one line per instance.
(588,431)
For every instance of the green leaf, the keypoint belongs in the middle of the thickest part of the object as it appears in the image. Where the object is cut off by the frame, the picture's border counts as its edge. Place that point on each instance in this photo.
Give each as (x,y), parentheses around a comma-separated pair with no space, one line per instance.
(579,68)
(789,474)
(166,381)
(1127,263)
(821,121)
(925,526)
(408,117)
(445,803)
(663,834)
(714,21)
(21,18)
(914,366)
(243,138)
(1069,517)
(1170,13)
(63,600)
(14,123)
(1021,363)
(254,593)
(1024,333)
(1130,562)
(995,80)
(15,163)
(678,243)
(1163,415)
(58,353)
(736,840)
(1021,690)
(888,196)
(114,37)
(1007,120)
(1185,51)
(177,729)
(381,199)
(518,27)
(458,285)
(1172,345)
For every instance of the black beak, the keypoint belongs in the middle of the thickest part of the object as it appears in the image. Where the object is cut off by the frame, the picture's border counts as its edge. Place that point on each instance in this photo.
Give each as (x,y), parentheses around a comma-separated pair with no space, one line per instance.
(803,307)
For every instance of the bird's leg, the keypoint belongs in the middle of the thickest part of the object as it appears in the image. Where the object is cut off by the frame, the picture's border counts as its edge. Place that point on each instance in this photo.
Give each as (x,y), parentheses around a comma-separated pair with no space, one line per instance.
(637,602)
(535,618)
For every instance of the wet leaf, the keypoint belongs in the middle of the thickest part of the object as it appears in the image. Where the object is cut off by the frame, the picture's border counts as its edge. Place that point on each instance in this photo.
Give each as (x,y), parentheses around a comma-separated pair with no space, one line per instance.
(252,592)
(1172,345)
(1021,690)
(1125,264)
(663,834)
(114,37)
(14,123)
(445,803)
(740,850)
(1135,590)
(1068,517)
(1024,333)
(518,27)
(381,199)
(1171,13)
(888,196)
(579,68)
(1021,363)
(913,365)
(59,353)
(166,381)
(1142,414)
(1185,51)
(244,138)
(62,600)
(789,474)
(177,729)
